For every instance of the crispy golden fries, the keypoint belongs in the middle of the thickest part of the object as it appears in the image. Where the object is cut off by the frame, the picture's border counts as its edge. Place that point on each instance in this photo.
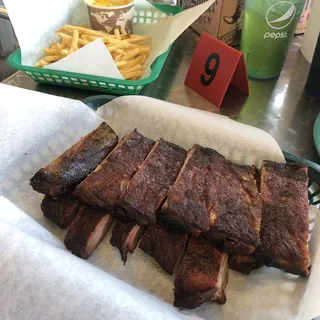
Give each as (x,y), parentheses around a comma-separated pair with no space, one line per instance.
(111,3)
(128,51)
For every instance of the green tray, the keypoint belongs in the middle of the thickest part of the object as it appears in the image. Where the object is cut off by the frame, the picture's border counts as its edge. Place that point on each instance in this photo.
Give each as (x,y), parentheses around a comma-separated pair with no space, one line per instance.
(102,84)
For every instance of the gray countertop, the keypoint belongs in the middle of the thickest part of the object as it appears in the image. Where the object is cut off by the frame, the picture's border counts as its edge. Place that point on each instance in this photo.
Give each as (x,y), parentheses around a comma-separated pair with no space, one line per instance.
(281,106)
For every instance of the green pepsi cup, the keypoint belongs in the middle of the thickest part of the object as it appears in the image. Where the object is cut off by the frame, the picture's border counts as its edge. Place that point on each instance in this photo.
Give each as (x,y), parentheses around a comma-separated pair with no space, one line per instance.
(268,29)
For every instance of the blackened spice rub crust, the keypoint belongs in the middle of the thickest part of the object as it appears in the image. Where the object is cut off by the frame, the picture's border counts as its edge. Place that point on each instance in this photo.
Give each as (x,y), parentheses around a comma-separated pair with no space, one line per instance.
(202,275)
(103,187)
(189,202)
(285,218)
(165,246)
(236,211)
(65,172)
(148,188)
(61,211)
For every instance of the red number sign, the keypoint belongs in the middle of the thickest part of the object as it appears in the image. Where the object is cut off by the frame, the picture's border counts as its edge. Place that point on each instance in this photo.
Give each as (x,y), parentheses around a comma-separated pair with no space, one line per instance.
(213,67)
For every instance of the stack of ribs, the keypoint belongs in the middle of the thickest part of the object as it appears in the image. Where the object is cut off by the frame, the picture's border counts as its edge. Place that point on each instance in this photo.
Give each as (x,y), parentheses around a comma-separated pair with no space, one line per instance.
(194,212)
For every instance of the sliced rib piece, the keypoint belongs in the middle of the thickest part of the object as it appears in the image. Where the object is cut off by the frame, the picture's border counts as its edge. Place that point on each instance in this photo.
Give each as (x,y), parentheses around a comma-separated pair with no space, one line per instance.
(285,219)
(61,175)
(125,236)
(104,185)
(60,211)
(202,275)
(165,246)
(237,210)
(87,230)
(244,264)
(189,202)
(148,188)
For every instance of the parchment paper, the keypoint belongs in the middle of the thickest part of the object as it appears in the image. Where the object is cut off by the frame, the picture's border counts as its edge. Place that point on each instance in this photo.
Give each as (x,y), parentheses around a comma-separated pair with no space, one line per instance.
(52,125)
(35,23)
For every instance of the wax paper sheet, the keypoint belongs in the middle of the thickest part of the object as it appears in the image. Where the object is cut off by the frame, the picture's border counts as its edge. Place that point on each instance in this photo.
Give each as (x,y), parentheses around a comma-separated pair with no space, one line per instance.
(36,21)
(105,287)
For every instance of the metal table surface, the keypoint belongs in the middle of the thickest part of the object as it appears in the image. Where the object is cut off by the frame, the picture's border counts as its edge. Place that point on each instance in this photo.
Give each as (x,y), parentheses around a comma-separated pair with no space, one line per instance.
(281,106)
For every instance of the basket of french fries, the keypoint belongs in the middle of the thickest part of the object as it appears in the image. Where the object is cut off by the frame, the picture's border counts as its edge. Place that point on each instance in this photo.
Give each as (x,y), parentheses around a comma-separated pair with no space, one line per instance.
(128,51)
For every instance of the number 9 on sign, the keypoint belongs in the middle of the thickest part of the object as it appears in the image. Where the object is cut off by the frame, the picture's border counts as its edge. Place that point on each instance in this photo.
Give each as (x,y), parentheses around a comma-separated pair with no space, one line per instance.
(207,79)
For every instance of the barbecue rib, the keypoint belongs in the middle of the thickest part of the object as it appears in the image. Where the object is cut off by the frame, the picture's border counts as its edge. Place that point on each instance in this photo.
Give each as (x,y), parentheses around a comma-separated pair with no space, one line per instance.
(105,184)
(61,175)
(237,209)
(285,219)
(87,230)
(244,264)
(125,236)
(164,246)
(202,275)
(148,188)
(189,201)
(60,211)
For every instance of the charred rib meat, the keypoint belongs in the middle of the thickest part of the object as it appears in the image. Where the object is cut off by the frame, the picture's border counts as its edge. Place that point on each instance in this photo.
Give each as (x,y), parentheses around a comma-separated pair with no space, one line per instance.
(105,184)
(148,188)
(236,210)
(87,230)
(189,202)
(202,275)
(60,211)
(285,219)
(125,236)
(165,246)
(61,175)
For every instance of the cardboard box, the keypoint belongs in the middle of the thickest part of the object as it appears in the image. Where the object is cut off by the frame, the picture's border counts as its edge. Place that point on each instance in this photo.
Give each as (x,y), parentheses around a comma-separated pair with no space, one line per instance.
(222,20)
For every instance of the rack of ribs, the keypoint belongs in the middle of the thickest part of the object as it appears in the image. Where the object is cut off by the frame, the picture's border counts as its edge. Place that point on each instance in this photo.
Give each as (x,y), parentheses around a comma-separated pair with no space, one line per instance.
(61,211)
(285,219)
(61,175)
(87,230)
(148,188)
(165,246)
(105,184)
(237,210)
(189,202)
(202,275)
(125,236)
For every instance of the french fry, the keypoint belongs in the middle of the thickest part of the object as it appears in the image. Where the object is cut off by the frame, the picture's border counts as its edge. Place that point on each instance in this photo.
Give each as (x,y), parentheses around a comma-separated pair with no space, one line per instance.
(117,33)
(74,42)
(52,51)
(129,63)
(41,63)
(52,58)
(140,39)
(64,52)
(122,31)
(134,68)
(132,74)
(69,28)
(133,53)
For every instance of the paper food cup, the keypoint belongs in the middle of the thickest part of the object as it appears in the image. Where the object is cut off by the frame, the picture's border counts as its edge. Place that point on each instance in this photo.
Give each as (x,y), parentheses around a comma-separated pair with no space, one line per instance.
(109,18)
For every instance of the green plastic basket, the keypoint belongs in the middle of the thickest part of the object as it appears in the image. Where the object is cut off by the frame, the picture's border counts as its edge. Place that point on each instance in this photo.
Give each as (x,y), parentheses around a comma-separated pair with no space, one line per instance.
(102,84)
